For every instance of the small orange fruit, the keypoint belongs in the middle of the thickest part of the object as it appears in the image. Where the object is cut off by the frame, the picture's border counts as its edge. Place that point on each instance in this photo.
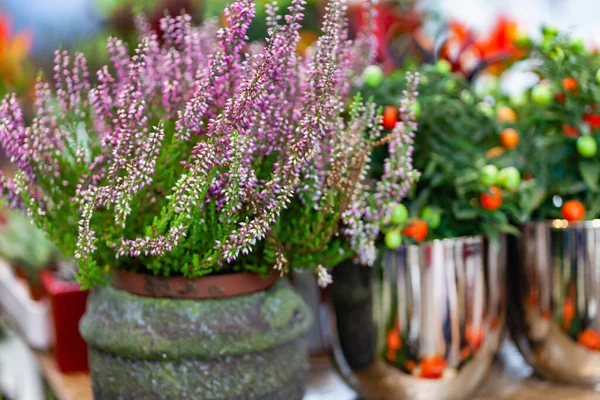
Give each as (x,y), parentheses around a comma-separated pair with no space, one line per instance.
(506,114)
(391,355)
(491,201)
(494,152)
(570,84)
(509,138)
(393,339)
(410,365)
(573,210)
(570,130)
(432,367)
(417,230)
(390,117)
(590,339)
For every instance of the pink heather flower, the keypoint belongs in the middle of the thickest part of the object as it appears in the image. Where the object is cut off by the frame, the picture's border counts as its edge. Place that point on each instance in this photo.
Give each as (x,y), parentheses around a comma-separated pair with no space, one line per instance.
(192,123)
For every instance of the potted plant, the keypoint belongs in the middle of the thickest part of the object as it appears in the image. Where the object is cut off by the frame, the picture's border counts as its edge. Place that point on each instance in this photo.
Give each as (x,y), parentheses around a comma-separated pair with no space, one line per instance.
(165,176)
(438,289)
(27,249)
(555,258)
(68,304)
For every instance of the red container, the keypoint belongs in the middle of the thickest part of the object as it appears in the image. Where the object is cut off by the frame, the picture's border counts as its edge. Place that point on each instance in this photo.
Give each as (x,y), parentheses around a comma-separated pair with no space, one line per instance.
(68,306)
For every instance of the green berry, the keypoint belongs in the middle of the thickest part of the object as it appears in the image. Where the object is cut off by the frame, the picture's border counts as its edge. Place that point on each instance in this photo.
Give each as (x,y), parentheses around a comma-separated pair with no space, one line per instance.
(450,85)
(489,175)
(416,108)
(541,94)
(587,146)
(373,75)
(509,178)
(523,40)
(485,109)
(399,214)
(557,55)
(518,99)
(432,217)
(598,76)
(549,31)
(393,239)
(466,96)
(443,67)
(578,46)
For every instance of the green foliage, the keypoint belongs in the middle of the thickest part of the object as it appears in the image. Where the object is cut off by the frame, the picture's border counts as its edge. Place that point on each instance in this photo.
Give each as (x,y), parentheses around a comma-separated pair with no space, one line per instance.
(455,130)
(23,244)
(549,134)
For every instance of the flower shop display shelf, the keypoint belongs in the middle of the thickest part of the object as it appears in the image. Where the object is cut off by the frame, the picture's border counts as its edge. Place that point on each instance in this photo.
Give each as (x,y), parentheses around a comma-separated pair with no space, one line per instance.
(29,317)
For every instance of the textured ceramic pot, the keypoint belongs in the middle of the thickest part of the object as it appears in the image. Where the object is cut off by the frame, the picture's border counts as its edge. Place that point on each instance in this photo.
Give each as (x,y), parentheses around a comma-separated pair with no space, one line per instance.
(425,323)
(554,313)
(249,346)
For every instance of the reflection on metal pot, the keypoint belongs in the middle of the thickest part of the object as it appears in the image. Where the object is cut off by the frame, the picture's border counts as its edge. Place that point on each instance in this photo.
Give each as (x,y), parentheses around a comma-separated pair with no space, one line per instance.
(554,316)
(434,324)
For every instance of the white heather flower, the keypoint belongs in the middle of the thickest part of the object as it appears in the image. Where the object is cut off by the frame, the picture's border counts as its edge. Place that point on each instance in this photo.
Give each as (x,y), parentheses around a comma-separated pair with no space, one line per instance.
(323,276)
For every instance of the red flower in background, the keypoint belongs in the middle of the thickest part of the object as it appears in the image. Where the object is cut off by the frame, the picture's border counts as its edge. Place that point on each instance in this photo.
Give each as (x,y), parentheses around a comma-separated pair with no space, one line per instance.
(13,52)
(392,23)
(469,54)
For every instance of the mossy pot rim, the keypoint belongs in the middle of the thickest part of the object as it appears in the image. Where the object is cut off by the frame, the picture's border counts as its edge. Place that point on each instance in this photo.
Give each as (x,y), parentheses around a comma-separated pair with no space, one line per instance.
(205,287)
(152,328)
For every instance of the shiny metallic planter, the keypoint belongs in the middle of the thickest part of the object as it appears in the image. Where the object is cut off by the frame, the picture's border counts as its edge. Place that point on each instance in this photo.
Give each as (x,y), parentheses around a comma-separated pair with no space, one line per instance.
(439,303)
(554,313)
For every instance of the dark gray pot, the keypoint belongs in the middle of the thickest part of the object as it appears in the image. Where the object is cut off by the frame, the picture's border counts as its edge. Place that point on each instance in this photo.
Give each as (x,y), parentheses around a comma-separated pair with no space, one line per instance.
(245,347)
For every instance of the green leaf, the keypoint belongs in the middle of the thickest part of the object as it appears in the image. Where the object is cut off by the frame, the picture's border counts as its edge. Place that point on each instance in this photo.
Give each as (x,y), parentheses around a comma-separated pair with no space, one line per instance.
(590,172)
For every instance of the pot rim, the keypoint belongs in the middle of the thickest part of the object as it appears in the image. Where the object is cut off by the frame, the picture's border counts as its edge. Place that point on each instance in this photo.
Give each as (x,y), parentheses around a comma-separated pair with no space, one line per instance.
(471,239)
(206,287)
(560,224)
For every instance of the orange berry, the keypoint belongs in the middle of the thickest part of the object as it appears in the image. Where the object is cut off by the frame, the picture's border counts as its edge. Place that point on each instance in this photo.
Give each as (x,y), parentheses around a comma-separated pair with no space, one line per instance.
(393,339)
(590,339)
(391,355)
(570,84)
(465,352)
(410,365)
(491,201)
(417,230)
(509,138)
(573,210)
(570,130)
(390,117)
(547,315)
(506,114)
(474,337)
(494,152)
(432,367)
(568,313)
(495,324)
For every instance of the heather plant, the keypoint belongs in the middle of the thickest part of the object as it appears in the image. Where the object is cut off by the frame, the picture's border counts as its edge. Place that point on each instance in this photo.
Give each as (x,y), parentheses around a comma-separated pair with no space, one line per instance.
(337,211)
(181,157)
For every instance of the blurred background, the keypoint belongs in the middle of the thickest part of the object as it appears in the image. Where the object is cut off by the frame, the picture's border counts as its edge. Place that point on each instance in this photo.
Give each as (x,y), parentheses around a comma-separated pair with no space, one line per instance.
(31,30)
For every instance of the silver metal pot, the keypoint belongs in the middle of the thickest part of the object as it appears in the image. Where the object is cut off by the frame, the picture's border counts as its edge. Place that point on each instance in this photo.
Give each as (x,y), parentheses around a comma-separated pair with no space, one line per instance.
(426,324)
(554,310)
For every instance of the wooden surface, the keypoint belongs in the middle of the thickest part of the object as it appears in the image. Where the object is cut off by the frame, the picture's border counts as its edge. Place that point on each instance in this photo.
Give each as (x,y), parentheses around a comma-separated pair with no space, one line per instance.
(509,379)
(503,383)
(64,386)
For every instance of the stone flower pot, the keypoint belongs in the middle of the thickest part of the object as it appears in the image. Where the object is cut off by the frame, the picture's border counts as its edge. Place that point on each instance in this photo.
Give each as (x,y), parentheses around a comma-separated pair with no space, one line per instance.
(424,323)
(555,294)
(219,337)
